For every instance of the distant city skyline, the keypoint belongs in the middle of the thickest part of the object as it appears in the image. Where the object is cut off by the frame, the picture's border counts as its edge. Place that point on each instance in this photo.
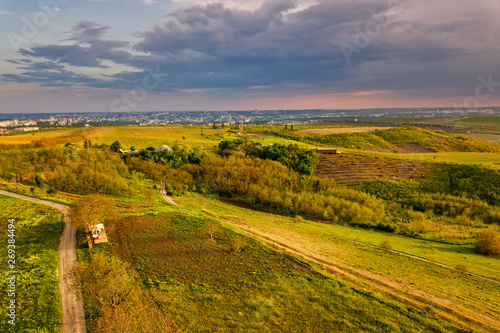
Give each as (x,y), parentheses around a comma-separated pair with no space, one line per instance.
(153,55)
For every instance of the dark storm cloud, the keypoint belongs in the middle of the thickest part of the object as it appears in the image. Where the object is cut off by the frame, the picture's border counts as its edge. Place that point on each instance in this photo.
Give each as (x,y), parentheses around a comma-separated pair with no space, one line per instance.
(336,46)
(88,48)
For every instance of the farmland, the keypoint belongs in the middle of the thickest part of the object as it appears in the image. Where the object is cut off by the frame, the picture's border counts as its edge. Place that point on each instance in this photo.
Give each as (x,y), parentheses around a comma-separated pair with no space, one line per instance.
(236,283)
(37,239)
(270,237)
(140,137)
(326,242)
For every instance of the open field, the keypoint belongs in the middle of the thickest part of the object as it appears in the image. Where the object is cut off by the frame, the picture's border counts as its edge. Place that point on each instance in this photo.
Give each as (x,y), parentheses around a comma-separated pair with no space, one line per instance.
(234,283)
(47,137)
(341,130)
(38,230)
(142,137)
(490,160)
(319,241)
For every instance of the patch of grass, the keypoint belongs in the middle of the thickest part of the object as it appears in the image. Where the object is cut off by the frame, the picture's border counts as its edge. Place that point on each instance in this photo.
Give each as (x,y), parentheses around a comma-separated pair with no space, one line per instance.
(38,230)
(334,241)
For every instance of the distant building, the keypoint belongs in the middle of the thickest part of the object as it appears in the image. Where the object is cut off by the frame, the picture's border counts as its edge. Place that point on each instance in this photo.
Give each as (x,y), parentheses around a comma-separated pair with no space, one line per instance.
(26,129)
(163,147)
(128,152)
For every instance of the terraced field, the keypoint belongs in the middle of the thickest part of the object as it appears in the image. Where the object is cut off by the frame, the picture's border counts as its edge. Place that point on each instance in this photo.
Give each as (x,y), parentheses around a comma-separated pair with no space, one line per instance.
(352,168)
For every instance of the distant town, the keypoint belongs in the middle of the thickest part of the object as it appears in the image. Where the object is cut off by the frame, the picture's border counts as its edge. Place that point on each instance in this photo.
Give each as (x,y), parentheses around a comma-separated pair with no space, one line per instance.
(32,122)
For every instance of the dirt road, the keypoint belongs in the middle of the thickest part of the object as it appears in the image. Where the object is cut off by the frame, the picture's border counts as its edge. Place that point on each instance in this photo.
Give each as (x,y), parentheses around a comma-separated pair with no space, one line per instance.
(165,195)
(72,309)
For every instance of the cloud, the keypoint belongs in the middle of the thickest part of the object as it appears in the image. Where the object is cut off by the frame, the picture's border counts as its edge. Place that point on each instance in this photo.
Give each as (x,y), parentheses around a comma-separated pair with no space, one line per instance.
(278,45)
(88,49)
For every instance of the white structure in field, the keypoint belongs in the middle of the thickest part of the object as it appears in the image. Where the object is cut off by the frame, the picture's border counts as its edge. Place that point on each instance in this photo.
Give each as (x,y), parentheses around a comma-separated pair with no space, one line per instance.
(98,233)
(163,147)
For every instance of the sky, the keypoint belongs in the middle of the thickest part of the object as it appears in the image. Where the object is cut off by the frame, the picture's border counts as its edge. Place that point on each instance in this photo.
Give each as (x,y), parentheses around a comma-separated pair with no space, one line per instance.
(174,55)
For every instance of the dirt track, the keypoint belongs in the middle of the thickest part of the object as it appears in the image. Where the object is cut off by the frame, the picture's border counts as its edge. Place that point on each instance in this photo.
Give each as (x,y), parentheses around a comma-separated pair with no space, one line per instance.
(72,309)
(165,195)
(361,278)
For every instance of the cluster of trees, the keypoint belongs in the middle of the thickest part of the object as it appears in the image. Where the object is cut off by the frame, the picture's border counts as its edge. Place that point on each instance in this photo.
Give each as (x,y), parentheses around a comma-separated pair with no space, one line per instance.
(241,171)
(292,156)
(181,155)
(471,181)
(70,169)
(471,192)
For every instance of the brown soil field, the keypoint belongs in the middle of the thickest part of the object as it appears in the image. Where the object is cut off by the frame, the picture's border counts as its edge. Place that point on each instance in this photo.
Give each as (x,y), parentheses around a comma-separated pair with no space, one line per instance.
(340,130)
(351,168)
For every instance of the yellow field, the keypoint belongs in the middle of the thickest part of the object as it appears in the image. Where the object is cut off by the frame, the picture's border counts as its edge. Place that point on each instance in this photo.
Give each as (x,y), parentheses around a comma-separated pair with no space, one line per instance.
(46,135)
(142,137)
(491,160)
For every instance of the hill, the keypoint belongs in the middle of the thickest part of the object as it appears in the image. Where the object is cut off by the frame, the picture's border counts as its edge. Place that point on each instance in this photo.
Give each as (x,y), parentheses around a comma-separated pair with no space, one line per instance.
(404,139)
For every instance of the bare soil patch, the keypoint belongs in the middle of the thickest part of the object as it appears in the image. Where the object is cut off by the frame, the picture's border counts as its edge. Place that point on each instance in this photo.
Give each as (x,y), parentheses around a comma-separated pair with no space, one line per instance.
(349,168)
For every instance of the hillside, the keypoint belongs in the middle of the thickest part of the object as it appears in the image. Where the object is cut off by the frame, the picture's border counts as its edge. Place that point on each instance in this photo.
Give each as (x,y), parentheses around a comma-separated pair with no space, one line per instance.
(371,240)
(401,139)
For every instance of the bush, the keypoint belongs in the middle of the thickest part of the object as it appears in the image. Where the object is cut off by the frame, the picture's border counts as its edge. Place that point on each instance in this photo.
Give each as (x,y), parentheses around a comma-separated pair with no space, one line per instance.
(51,190)
(488,242)
(386,245)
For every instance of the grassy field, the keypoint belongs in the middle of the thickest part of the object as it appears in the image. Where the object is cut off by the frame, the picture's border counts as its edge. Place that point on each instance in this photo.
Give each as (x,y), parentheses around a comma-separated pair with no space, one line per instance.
(491,160)
(209,278)
(331,241)
(199,136)
(38,230)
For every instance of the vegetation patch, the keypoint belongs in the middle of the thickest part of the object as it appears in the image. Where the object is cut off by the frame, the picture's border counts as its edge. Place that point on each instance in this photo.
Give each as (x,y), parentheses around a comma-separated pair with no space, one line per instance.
(211,279)
(37,233)
(435,141)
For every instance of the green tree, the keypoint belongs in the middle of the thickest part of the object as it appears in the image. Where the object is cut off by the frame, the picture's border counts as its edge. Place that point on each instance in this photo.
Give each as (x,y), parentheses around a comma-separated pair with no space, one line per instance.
(115,146)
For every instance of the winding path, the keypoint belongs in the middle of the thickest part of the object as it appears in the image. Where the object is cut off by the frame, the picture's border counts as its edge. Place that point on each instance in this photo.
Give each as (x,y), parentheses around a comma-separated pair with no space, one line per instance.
(165,195)
(72,308)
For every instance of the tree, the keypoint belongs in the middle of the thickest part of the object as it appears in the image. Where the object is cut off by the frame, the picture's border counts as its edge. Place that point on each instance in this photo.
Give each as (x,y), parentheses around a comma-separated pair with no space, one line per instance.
(38,180)
(51,191)
(115,146)
(132,148)
(87,212)
(106,282)
(488,242)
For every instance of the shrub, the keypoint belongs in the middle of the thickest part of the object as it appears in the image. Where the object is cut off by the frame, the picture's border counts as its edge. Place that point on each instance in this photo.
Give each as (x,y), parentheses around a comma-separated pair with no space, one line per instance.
(461,268)
(386,245)
(488,242)
(51,190)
